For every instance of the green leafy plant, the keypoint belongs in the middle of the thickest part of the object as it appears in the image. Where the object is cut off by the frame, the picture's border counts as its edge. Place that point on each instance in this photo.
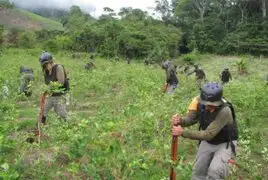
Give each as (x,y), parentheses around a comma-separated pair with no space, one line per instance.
(242,67)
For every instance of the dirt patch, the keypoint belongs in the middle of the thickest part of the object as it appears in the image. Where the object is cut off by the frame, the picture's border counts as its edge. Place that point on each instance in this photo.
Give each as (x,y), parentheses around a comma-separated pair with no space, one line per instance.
(62,160)
(116,88)
(71,176)
(91,94)
(87,105)
(84,112)
(35,155)
(14,19)
(26,118)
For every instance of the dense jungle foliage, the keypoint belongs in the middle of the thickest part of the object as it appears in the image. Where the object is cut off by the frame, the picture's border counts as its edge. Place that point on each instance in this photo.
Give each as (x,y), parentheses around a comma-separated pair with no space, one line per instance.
(214,26)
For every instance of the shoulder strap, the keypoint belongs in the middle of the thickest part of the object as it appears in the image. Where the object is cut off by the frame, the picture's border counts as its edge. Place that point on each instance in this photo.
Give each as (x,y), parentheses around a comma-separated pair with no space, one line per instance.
(65,75)
(230,105)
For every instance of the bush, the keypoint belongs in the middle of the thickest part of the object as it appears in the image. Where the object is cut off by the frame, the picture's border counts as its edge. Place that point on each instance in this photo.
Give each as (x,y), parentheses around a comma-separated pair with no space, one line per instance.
(6,4)
(27,40)
(51,45)
(242,66)
(190,58)
(13,37)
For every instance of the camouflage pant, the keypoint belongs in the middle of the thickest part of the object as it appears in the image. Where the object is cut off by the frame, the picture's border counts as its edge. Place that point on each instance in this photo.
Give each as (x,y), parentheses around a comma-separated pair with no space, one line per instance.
(25,83)
(171,88)
(212,161)
(200,82)
(58,103)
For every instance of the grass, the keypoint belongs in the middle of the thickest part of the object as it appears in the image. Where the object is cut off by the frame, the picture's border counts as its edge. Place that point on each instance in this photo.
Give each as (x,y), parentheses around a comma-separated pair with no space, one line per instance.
(126,132)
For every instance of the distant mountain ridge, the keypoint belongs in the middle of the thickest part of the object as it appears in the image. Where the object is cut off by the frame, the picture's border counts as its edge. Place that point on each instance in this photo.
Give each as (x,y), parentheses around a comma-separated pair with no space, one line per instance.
(51,13)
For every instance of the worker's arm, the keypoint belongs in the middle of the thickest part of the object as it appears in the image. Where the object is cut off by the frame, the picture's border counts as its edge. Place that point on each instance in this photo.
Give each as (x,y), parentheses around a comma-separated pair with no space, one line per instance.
(191,73)
(224,117)
(189,119)
(192,116)
(60,74)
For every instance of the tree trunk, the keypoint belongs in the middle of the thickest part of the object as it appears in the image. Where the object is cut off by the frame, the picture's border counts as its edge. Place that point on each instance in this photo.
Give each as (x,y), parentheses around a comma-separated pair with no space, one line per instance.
(242,9)
(201,6)
(264,8)
(242,15)
(202,15)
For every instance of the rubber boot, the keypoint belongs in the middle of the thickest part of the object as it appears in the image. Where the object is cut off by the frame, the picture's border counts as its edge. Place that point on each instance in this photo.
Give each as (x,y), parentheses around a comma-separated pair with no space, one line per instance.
(43,120)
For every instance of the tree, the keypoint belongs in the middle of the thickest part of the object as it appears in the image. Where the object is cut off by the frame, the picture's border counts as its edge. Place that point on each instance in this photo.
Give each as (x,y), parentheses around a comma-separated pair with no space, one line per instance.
(109,11)
(125,11)
(6,4)
(164,8)
(27,39)
(242,4)
(201,7)
(13,36)
(75,10)
(263,3)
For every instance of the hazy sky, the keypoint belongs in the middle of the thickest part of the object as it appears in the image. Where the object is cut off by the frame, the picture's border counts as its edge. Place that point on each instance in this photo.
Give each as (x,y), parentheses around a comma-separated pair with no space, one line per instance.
(95,7)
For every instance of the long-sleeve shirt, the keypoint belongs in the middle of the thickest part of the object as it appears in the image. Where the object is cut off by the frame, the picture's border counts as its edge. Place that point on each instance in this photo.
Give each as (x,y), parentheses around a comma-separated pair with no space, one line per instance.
(199,73)
(171,76)
(60,74)
(223,118)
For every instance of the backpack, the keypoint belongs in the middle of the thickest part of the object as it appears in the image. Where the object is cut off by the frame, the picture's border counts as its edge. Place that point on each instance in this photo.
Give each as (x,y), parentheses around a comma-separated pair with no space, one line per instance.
(225,76)
(66,84)
(230,105)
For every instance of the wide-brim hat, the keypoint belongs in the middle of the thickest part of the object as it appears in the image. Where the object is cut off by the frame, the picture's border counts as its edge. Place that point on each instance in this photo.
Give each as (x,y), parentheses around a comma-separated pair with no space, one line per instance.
(214,103)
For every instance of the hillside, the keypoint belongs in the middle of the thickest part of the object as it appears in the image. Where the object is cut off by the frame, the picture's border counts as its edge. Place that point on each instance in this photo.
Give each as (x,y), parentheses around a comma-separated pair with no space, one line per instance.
(17,18)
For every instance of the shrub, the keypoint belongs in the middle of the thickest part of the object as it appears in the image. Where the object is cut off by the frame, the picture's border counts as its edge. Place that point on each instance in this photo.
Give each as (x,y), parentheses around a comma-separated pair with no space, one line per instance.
(242,66)
(27,40)
(51,45)
(190,58)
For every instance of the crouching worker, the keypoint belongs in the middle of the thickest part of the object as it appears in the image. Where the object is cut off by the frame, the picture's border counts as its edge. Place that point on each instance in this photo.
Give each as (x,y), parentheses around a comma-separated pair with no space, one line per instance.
(54,74)
(26,79)
(218,133)
(172,80)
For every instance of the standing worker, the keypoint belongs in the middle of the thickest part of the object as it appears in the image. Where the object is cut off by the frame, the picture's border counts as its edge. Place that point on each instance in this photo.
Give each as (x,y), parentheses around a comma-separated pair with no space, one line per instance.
(218,133)
(26,79)
(172,80)
(199,74)
(54,72)
(225,76)
(128,60)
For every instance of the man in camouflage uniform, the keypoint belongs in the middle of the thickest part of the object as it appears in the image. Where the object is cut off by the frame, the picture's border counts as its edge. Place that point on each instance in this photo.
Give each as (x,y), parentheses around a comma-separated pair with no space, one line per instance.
(172,80)
(90,64)
(217,136)
(225,76)
(128,60)
(199,74)
(26,79)
(54,73)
